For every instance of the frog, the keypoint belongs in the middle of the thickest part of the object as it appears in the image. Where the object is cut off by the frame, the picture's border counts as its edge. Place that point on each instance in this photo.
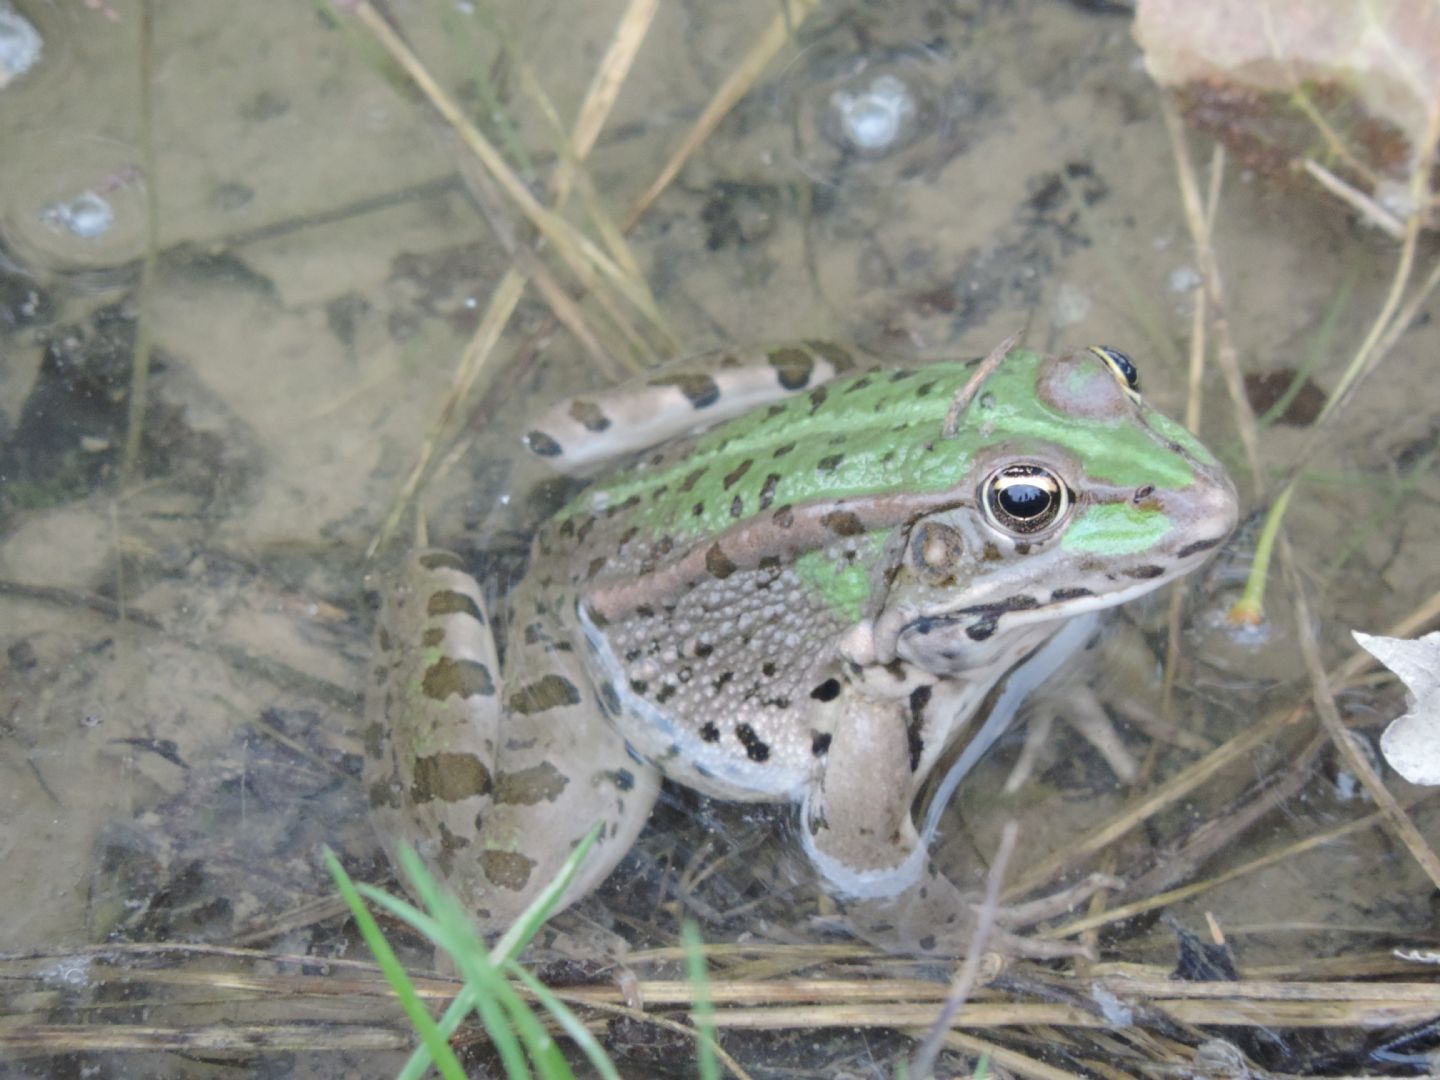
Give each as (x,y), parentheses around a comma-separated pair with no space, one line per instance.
(795,577)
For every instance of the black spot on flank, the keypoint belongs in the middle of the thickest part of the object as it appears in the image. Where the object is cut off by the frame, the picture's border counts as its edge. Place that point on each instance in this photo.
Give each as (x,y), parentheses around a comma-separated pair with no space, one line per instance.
(900,374)
(441,560)
(768,669)
(784,517)
(1061,595)
(691,478)
(755,748)
(700,390)
(697,510)
(450,602)
(666,692)
(739,471)
(924,389)
(589,415)
(771,411)
(645,611)
(543,445)
(859,384)
(710,733)
(983,628)
(1197,547)
(703,649)
(737,507)
(829,463)
(782,450)
(1143,493)
(793,367)
(1144,573)
(927,942)
(767,491)
(919,698)
(820,744)
(640,686)
(828,690)
(817,398)
(721,679)
(596,565)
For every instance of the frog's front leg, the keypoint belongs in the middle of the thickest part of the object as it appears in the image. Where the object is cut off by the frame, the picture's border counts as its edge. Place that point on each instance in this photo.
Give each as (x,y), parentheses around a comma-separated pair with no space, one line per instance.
(493,782)
(859,833)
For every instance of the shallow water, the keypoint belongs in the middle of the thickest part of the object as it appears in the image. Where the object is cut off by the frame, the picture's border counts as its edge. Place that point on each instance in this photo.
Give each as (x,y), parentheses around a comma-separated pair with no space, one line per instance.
(185,643)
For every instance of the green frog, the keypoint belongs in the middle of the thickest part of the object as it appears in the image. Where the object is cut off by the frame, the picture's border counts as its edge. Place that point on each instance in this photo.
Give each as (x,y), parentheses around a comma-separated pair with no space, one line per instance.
(794,579)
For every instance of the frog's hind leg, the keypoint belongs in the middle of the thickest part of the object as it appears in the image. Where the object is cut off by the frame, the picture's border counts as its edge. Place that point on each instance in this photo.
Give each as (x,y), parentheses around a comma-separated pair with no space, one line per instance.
(494,784)
(581,432)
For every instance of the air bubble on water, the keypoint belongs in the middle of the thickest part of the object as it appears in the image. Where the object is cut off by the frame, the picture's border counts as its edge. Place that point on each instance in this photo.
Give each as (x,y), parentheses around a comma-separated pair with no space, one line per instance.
(873,119)
(87,216)
(20,44)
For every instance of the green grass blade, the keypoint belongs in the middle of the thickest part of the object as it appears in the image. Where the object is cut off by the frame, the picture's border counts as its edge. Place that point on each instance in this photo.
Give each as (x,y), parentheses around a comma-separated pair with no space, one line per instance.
(534,916)
(568,1021)
(432,1040)
(704,1011)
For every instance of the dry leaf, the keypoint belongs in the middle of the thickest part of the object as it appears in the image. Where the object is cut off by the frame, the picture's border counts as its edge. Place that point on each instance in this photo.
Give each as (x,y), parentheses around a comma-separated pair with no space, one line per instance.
(1411,744)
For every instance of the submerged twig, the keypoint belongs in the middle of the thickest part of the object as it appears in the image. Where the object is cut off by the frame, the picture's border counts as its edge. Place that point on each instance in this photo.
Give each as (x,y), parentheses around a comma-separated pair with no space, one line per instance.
(792,14)
(923,1063)
(144,331)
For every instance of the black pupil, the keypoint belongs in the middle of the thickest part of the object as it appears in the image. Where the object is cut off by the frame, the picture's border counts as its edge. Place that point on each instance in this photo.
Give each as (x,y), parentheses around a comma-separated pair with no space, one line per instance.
(1024,501)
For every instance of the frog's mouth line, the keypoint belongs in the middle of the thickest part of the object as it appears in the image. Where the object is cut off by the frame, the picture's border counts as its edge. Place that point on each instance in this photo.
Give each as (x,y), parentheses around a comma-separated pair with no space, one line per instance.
(983,620)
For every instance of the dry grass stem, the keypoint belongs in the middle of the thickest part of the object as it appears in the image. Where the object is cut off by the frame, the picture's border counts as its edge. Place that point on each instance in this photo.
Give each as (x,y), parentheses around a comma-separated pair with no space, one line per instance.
(923,1062)
(583,258)
(731,91)
(1005,1057)
(1357,200)
(594,111)
(1226,356)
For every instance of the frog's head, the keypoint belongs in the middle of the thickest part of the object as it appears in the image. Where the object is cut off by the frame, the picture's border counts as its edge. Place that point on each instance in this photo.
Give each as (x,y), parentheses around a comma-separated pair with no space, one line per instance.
(1078,496)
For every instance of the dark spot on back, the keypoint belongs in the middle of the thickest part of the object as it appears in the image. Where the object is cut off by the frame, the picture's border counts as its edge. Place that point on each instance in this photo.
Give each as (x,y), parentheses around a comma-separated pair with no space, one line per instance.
(793,367)
(542,444)
(828,690)
(450,602)
(547,692)
(820,744)
(755,749)
(589,415)
(463,678)
(829,463)
(739,471)
(767,491)
(449,777)
(700,390)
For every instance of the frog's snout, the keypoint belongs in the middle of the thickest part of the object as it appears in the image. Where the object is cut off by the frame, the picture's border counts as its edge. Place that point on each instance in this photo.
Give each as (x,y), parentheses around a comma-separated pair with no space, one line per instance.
(1206,512)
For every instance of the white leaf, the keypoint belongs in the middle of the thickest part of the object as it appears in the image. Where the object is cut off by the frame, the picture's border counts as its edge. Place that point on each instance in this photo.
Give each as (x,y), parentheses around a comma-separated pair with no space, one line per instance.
(1411,744)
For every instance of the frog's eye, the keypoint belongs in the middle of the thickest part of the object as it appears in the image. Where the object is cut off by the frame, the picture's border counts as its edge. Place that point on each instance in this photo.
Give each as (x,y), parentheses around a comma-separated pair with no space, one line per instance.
(1123,367)
(1024,499)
